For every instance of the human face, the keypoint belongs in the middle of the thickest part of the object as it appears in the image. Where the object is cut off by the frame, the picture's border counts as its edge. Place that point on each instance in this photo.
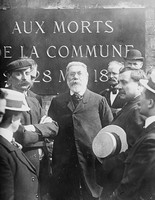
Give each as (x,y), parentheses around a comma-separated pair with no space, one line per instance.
(113,73)
(2,108)
(134,64)
(77,78)
(144,104)
(20,80)
(129,88)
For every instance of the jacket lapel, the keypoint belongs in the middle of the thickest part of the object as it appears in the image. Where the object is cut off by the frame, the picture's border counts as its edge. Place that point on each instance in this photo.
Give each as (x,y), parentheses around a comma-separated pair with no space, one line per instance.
(19,154)
(81,104)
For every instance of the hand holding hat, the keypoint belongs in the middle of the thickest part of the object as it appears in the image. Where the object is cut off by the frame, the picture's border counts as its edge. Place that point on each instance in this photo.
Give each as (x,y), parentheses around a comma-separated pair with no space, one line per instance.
(111,140)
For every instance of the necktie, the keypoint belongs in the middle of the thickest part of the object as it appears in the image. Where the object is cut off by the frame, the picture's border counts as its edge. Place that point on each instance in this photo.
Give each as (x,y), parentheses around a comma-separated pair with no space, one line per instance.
(113,90)
(76,98)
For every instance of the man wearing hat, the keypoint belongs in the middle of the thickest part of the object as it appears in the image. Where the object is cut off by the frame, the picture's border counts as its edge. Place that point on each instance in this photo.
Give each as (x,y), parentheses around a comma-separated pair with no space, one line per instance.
(33,72)
(138,181)
(134,59)
(37,127)
(18,176)
(130,121)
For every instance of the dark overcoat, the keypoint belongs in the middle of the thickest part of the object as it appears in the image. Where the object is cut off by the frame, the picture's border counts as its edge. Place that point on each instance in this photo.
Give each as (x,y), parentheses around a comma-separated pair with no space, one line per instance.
(139,177)
(73,144)
(130,120)
(18,176)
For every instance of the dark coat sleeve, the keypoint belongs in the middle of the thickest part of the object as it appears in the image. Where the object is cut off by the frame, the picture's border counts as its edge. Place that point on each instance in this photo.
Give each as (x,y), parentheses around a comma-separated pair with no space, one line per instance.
(46,130)
(138,180)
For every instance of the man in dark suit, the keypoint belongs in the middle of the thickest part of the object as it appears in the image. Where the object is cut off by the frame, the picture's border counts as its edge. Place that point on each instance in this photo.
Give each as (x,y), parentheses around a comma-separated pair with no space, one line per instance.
(18,176)
(37,129)
(80,114)
(139,177)
(130,121)
(112,92)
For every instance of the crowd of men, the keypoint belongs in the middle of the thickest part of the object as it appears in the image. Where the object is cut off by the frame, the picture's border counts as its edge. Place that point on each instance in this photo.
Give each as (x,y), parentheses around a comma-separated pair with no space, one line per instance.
(32,166)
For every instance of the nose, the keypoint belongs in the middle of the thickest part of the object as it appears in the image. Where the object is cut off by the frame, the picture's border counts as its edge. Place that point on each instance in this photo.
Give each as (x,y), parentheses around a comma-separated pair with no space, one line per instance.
(119,86)
(110,75)
(23,76)
(76,75)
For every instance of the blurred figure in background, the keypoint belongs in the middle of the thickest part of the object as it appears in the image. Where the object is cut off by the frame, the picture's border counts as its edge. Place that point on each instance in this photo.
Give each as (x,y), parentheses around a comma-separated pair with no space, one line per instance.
(134,59)
(112,92)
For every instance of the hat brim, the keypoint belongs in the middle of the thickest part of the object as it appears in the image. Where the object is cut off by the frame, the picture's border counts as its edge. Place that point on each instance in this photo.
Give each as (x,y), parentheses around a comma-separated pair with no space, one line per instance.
(23,108)
(103,142)
(140,59)
(144,83)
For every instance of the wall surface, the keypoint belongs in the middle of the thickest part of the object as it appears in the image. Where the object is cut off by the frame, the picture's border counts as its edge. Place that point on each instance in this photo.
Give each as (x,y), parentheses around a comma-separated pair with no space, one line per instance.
(148,5)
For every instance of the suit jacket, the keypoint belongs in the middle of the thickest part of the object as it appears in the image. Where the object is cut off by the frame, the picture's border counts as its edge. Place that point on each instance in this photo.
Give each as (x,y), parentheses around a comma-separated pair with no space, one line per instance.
(132,122)
(30,140)
(73,144)
(139,177)
(32,94)
(18,176)
(117,104)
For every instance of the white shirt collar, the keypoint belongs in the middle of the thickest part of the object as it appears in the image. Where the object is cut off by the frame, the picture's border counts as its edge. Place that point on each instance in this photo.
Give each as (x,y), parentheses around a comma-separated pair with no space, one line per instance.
(8,135)
(80,93)
(149,121)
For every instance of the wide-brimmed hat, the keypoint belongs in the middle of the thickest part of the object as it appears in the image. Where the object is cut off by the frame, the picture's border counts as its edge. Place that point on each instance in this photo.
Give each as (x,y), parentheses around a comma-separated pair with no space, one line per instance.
(134,54)
(110,140)
(15,100)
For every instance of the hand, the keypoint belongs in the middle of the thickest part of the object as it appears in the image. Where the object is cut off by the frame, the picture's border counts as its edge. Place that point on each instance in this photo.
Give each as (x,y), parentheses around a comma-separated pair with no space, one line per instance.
(45,119)
(30,128)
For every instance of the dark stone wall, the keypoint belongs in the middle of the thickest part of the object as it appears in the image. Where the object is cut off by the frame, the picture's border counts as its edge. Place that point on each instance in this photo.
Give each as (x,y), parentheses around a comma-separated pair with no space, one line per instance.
(148,5)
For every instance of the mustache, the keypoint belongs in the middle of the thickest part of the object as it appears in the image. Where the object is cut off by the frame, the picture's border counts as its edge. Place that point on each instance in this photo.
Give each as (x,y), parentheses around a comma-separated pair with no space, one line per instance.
(112,79)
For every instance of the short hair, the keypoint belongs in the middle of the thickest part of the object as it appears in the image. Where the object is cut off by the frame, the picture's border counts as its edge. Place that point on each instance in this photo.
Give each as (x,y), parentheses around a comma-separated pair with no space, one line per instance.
(136,74)
(2,94)
(75,63)
(115,62)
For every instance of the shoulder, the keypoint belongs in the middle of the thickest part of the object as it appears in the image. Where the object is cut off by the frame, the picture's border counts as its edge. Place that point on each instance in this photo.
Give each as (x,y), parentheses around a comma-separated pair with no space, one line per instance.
(105,92)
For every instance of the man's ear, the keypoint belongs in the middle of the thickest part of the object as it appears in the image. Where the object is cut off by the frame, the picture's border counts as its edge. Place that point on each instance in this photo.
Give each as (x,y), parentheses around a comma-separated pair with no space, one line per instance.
(151,103)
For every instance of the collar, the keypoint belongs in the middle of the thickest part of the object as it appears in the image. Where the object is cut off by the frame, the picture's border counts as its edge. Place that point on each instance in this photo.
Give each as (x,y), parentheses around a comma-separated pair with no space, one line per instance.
(149,121)
(81,93)
(8,135)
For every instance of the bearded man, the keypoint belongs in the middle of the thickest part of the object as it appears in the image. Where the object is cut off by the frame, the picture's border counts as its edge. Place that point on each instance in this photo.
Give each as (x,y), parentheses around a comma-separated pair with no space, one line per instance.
(80,114)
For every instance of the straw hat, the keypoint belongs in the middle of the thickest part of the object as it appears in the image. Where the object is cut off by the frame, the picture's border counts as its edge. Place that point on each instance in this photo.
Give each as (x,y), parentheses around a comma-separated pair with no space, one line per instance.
(111,140)
(15,100)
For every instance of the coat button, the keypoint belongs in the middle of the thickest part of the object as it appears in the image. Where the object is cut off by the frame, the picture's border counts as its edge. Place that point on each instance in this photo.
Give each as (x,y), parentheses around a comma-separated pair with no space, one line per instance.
(37,196)
(33,178)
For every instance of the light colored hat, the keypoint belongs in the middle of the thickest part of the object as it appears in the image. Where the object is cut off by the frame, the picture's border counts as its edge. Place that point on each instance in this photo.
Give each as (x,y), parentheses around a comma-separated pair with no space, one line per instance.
(149,84)
(110,140)
(15,100)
